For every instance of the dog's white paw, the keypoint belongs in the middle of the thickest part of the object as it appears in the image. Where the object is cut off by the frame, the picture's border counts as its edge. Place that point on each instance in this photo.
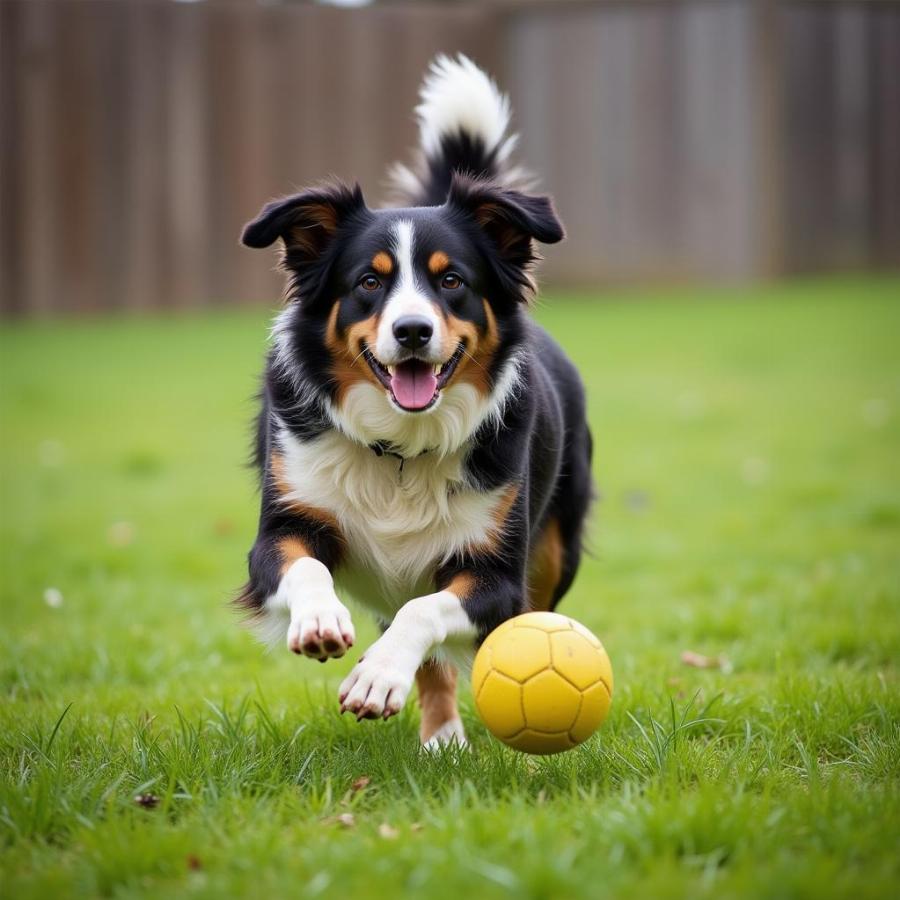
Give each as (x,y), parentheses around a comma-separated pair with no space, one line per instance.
(451,732)
(377,687)
(322,631)
(320,625)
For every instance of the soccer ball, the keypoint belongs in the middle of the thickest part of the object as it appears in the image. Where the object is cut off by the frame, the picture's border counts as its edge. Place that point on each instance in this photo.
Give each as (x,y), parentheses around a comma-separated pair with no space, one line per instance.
(542,683)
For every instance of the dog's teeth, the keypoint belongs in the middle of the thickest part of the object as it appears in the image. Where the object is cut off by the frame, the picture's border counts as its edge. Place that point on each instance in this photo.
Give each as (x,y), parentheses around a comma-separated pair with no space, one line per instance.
(437,369)
(391,370)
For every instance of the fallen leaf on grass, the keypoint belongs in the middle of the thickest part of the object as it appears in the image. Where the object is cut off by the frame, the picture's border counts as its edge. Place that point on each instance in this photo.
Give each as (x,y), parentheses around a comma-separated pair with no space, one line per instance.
(699,661)
(388,832)
(360,784)
(345,820)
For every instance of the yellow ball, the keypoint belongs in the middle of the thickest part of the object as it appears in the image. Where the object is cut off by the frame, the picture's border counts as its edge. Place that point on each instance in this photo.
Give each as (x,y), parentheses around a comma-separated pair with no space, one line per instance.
(542,683)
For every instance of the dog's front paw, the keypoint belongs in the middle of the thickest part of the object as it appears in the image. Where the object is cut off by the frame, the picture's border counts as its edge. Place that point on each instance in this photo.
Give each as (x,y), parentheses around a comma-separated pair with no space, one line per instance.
(322,631)
(377,687)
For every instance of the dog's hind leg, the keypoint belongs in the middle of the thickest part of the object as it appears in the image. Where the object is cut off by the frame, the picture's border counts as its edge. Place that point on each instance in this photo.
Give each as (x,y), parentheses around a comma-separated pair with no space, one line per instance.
(556,553)
(437,696)
(545,568)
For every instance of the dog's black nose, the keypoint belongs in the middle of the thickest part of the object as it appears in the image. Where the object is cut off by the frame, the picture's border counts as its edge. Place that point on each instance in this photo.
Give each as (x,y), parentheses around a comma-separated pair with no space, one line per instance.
(412,332)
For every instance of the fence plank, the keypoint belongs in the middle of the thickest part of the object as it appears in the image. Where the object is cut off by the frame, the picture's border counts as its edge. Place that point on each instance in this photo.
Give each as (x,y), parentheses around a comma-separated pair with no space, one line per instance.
(36,137)
(11,65)
(884,134)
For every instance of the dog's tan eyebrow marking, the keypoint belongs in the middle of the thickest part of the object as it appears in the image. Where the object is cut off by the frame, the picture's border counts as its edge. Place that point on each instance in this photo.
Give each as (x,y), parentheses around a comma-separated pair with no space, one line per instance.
(438,262)
(382,263)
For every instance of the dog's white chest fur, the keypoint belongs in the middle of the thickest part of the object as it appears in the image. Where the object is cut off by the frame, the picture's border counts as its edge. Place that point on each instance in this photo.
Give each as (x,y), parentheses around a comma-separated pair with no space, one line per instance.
(398,526)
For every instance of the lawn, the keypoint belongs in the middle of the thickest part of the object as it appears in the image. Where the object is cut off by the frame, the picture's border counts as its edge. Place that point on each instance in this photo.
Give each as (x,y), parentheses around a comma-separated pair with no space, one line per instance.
(748,456)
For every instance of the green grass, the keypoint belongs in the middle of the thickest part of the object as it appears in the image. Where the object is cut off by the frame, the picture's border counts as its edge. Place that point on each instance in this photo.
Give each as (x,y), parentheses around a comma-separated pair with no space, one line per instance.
(748,453)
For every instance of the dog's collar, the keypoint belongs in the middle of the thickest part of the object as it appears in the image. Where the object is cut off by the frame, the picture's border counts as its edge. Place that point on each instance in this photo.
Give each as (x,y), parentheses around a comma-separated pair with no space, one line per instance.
(384,448)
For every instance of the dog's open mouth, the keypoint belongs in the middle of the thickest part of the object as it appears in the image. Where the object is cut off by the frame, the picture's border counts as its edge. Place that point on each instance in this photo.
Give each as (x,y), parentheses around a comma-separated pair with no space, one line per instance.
(414,383)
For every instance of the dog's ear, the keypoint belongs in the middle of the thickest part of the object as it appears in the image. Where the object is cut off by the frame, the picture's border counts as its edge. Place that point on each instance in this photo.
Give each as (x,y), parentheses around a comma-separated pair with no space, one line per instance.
(511,220)
(306,222)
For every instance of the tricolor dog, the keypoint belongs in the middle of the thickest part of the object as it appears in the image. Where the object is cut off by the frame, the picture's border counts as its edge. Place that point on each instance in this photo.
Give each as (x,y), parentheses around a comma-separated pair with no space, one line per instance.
(422,443)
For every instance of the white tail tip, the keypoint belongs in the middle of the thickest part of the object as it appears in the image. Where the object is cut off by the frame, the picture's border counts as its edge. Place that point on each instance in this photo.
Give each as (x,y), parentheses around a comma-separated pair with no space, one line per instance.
(458,97)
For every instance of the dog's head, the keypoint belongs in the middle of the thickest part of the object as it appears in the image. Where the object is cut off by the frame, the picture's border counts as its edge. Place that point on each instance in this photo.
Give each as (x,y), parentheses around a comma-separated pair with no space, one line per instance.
(395,313)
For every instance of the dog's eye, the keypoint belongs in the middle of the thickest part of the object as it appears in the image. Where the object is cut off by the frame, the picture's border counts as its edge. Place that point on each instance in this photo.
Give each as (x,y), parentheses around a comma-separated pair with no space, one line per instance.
(451,281)
(369,283)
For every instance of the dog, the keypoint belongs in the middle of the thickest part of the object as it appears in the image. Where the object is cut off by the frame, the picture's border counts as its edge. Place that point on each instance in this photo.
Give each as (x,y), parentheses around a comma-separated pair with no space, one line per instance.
(422,444)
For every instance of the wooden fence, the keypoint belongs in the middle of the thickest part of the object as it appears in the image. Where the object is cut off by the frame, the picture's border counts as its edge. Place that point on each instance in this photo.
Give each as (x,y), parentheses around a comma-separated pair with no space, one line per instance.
(714,140)
(685,140)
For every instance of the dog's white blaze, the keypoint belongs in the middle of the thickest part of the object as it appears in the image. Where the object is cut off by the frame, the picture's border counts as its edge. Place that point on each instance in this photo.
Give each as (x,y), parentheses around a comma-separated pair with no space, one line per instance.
(397,529)
(407,299)
(403,238)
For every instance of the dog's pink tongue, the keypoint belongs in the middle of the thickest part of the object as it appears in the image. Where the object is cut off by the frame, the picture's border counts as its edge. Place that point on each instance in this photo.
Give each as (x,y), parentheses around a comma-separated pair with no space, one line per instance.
(413,384)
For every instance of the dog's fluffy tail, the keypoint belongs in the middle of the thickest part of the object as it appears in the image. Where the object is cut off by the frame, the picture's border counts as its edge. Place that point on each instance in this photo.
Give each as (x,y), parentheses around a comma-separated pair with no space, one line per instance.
(463,127)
